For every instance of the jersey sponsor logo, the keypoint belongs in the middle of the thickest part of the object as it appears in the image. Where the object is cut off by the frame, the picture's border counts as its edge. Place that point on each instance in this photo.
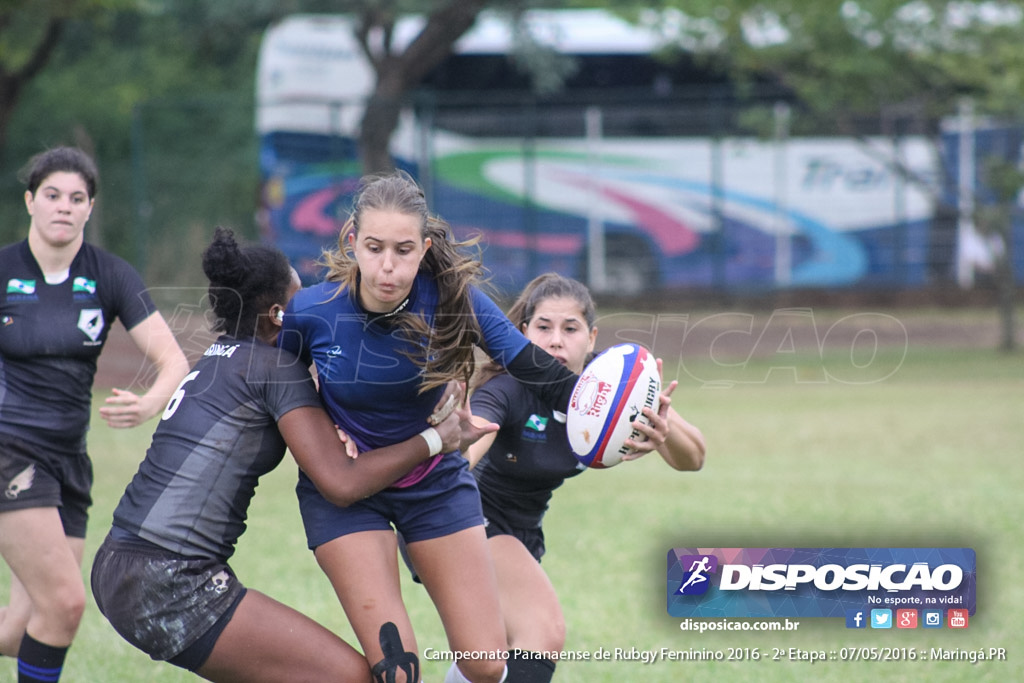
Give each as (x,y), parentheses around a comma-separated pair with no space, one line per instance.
(81,284)
(221,350)
(537,423)
(17,286)
(90,321)
(334,352)
(22,482)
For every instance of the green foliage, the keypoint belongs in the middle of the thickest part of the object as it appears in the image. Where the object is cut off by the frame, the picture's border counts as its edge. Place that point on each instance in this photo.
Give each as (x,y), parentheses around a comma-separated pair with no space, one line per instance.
(165,82)
(853,57)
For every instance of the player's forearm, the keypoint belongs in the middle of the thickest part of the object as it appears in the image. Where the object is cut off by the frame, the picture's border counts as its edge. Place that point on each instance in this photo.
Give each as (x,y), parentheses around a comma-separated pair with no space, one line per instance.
(684,448)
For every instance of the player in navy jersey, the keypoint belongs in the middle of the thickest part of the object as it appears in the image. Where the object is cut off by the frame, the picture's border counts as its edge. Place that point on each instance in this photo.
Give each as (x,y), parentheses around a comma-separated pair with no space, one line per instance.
(161,577)
(399,316)
(60,296)
(519,467)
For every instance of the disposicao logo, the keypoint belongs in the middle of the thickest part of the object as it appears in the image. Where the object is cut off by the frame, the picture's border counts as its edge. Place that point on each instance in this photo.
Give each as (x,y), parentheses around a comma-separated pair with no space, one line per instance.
(817,582)
(697,578)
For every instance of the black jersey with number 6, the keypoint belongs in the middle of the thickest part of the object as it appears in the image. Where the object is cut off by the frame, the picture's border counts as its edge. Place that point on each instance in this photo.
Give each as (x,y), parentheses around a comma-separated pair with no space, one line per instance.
(216,438)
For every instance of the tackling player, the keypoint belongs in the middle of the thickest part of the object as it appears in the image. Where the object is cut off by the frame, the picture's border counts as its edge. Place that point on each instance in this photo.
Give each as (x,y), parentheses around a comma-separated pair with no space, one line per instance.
(161,576)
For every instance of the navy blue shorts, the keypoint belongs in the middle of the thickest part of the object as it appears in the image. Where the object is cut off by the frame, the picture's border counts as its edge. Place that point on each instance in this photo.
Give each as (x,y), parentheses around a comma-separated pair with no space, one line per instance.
(33,477)
(495,524)
(171,607)
(442,503)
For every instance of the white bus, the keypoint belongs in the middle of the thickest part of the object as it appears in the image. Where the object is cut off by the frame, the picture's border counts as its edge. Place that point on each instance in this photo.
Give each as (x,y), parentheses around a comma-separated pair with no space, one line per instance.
(572,188)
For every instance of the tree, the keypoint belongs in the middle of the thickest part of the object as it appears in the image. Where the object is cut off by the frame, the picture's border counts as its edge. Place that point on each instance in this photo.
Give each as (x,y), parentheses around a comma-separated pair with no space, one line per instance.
(846,60)
(30,31)
(400,69)
(19,64)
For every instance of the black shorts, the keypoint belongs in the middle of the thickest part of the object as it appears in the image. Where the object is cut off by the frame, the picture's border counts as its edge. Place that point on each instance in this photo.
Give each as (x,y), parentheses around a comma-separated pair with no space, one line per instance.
(171,607)
(34,477)
(497,524)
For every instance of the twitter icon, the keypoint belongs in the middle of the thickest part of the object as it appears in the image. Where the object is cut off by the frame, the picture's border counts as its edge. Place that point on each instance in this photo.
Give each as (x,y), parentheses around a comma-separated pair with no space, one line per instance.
(881,618)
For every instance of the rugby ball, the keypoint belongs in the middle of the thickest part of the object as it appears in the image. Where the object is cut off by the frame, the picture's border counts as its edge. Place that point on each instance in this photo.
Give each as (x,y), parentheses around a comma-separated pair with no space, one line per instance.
(608,397)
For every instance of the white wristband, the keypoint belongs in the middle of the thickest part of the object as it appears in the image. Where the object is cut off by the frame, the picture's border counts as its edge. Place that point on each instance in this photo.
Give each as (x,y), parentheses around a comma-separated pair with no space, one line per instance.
(433,440)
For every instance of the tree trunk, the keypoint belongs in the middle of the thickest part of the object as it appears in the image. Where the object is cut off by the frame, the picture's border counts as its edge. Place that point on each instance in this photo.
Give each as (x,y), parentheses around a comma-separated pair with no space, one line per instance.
(380,119)
(12,81)
(397,73)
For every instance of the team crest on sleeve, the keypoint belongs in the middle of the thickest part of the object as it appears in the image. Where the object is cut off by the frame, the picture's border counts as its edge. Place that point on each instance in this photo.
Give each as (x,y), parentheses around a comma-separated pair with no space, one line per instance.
(90,321)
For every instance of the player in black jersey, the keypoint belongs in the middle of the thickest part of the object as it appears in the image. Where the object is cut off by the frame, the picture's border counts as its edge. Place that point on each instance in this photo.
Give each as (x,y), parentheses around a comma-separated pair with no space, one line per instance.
(161,577)
(59,296)
(519,467)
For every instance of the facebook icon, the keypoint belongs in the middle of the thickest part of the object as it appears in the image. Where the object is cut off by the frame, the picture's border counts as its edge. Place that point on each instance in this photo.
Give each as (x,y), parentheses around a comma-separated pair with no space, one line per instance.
(855,618)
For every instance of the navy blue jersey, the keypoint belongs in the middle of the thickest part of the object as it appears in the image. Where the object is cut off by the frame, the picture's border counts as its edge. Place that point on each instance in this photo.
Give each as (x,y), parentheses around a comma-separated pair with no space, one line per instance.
(530,456)
(216,438)
(369,385)
(51,336)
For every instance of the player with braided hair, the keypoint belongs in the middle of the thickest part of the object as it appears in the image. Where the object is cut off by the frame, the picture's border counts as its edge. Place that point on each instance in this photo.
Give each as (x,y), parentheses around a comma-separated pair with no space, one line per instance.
(161,576)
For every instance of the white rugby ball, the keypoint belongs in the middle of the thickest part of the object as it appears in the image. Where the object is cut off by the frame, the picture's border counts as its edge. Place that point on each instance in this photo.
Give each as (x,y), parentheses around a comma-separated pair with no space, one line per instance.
(609,396)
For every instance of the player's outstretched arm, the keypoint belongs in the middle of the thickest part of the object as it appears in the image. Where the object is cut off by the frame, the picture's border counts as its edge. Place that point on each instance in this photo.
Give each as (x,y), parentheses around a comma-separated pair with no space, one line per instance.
(343,480)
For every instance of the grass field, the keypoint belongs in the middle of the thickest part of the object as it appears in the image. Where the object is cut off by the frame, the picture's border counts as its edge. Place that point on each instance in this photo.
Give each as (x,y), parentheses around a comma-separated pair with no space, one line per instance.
(928,455)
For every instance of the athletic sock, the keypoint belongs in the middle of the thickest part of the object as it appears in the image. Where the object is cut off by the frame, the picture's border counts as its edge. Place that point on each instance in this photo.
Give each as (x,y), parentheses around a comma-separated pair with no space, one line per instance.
(525,666)
(38,662)
(454,675)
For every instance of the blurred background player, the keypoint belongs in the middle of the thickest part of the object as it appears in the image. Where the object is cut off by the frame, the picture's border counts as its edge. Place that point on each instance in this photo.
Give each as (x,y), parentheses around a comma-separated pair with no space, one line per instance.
(61,297)
(519,467)
(161,577)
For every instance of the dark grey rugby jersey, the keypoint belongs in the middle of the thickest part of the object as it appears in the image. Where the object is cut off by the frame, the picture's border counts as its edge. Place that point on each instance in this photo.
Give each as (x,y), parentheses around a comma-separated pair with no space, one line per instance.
(530,456)
(217,436)
(51,336)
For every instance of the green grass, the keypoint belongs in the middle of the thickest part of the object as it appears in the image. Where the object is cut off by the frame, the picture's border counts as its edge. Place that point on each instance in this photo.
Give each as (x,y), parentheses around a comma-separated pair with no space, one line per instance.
(927,456)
